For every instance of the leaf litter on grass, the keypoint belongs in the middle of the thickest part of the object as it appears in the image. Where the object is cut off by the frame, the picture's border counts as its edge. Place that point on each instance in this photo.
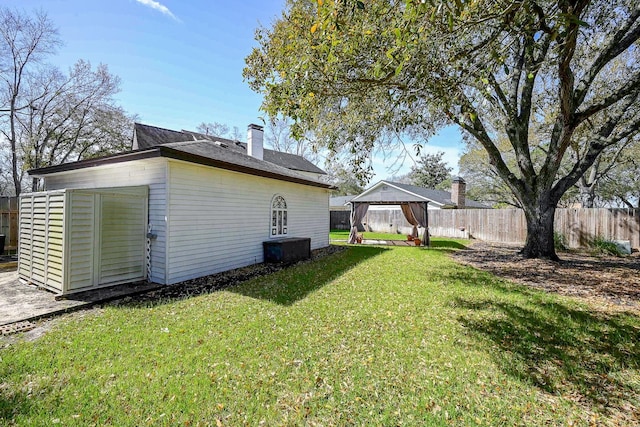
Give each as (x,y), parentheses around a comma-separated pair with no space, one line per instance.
(376,336)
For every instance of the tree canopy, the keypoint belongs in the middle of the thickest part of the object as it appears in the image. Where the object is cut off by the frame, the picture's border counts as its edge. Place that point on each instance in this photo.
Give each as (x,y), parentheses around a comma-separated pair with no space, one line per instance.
(47,116)
(555,79)
(343,179)
(430,171)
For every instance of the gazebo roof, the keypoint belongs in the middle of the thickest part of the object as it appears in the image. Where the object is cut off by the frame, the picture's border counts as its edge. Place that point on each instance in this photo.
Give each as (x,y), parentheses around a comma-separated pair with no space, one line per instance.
(387,192)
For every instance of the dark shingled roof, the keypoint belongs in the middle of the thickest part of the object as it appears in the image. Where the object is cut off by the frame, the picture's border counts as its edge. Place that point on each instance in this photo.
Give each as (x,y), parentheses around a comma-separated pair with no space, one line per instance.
(442,198)
(215,152)
(439,196)
(146,136)
(221,153)
(340,201)
(151,136)
(291,161)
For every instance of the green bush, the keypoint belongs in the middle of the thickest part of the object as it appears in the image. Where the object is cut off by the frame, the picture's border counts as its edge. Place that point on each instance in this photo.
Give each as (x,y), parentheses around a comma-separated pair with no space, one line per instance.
(560,242)
(602,246)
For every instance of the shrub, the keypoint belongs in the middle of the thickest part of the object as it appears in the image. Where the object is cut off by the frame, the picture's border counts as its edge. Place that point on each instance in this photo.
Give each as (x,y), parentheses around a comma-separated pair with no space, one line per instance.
(602,246)
(560,242)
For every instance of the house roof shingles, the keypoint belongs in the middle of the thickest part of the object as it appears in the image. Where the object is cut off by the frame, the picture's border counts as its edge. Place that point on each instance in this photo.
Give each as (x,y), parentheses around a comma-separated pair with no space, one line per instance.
(339,201)
(218,152)
(209,149)
(150,136)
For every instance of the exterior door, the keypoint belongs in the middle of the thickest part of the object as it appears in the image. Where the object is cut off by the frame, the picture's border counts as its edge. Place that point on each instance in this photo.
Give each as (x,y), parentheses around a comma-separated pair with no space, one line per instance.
(122,238)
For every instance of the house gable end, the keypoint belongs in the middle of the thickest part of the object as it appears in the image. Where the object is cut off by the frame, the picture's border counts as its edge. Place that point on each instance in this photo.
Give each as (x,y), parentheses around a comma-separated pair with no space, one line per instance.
(385,192)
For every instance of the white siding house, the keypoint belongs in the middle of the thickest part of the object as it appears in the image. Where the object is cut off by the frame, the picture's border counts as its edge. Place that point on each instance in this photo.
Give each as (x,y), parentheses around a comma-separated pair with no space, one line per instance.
(209,207)
(225,216)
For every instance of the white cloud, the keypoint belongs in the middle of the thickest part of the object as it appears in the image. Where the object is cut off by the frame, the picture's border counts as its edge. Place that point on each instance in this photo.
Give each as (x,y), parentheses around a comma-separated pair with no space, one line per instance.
(159,7)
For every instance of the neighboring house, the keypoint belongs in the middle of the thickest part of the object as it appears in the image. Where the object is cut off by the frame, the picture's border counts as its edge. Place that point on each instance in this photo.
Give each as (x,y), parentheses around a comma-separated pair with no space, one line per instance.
(179,206)
(339,210)
(388,192)
(385,197)
(340,203)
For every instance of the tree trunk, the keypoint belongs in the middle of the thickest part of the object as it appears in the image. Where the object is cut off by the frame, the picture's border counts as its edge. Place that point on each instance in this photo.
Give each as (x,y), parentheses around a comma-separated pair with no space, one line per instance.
(14,144)
(540,219)
(587,196)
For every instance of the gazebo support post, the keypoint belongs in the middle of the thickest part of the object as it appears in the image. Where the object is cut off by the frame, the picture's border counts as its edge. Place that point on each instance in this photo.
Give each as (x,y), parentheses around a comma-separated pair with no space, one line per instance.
(427,238)
(352,234)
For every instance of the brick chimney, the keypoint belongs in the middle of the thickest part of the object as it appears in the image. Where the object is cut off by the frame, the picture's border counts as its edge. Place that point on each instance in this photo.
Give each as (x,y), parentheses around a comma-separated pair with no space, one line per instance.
(458,187)
(255,135)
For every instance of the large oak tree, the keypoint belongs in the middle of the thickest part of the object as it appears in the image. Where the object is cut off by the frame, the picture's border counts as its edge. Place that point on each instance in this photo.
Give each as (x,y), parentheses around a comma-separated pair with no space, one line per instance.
(502,69)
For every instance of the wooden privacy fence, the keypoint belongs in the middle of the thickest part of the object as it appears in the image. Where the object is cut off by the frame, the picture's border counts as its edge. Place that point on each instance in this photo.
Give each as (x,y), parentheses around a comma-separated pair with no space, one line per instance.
(578,226)
(9,221)
(339,220)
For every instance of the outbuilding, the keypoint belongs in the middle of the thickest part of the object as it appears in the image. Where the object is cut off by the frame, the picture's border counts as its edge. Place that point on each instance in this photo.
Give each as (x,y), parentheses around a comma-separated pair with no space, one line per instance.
(181,205)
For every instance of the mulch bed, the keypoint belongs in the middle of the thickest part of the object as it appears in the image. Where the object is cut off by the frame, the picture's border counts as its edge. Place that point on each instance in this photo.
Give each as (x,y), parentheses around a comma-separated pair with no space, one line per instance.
(612,283)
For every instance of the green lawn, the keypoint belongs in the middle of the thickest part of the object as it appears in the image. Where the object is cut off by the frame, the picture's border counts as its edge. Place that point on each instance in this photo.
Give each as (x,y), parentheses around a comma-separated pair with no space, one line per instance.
(367,336)
(340,236)
(344,235)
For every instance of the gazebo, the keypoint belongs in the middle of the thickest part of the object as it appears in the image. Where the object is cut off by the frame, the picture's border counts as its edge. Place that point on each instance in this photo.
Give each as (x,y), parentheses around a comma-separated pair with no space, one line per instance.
(412,200)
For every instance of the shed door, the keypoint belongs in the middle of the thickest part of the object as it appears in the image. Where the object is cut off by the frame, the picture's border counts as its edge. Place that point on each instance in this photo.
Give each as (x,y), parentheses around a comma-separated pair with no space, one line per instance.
(123,222)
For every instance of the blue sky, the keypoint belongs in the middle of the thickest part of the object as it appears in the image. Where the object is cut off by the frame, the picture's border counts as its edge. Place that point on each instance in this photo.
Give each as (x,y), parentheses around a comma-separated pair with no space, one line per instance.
(180,61)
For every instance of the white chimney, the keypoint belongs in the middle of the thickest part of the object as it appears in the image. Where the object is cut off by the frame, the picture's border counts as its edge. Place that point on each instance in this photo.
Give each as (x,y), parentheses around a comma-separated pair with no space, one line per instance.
(255,135)
(458,187)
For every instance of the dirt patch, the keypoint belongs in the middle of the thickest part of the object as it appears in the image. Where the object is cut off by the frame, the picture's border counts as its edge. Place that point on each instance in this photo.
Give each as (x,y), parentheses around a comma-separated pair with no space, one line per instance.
(613,283)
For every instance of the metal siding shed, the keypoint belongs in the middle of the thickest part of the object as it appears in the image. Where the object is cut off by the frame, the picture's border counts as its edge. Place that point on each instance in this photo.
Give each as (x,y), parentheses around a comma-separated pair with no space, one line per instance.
(78,239)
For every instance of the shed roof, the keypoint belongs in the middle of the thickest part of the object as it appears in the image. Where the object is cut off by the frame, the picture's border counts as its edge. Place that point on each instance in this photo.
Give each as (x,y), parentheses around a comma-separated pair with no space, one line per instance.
(146,136)
(388,192)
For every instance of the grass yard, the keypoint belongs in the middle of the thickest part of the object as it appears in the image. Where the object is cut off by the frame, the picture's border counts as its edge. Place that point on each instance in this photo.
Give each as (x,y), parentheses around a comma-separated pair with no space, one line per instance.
(344,235)
(366,336)
(341,236)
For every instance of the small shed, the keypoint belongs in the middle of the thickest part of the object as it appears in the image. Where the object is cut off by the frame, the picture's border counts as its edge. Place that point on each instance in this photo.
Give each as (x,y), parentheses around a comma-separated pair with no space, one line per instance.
(74,240)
